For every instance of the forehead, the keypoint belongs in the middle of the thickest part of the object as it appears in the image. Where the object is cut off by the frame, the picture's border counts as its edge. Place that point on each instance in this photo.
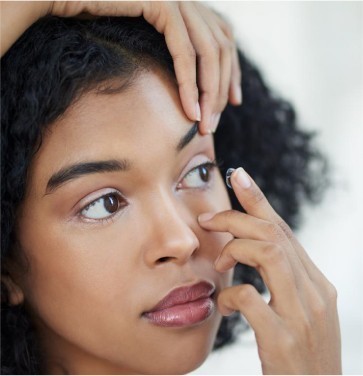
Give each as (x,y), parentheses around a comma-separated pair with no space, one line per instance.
(149,105)
(141,123)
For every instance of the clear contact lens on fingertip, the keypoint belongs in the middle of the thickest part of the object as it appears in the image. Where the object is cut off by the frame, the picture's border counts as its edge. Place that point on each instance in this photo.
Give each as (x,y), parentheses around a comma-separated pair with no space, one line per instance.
(228,177)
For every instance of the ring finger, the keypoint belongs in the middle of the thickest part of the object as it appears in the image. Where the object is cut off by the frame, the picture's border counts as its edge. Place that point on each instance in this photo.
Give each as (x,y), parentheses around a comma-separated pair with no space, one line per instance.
(272,263)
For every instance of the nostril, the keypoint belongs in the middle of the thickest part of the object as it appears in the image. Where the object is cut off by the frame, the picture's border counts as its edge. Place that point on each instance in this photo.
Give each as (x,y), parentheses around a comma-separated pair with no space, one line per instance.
(163,259)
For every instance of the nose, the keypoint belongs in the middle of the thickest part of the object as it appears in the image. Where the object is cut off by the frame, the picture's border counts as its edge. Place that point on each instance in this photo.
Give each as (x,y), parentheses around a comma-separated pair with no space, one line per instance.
(169,234)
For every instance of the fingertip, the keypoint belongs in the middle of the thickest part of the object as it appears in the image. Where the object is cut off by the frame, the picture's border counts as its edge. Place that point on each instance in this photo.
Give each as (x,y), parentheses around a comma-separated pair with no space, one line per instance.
(216,119)
(198,114)
(205,217)
(204,129)
(210,126)
(242,179)
(235,94)
(226,311)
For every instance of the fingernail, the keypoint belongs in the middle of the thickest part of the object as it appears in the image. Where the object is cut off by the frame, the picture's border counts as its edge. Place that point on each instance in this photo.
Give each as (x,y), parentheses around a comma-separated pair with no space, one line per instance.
(237,91)
(205,217)
(217,117)
(216,262)
(228,177)
(198,114)
(211,123)
(242,178)
(227,311)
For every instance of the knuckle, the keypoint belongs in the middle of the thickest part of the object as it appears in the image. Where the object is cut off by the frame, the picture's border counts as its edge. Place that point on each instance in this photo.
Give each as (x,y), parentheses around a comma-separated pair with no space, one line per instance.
(168,6)
(257,197)
(228,30)
(226,44)
(319,310)
(230,45)
(208,96)
(287,343)
(188,84)
(285,228)
(332,293)
(272,253)
(187,54)
(306,325)
(245,294)
(230,215)
(222,100)
(212,49)
(274,232)
(229,247)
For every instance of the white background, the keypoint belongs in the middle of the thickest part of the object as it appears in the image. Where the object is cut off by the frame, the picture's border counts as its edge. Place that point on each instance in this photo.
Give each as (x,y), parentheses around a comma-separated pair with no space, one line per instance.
(312,54)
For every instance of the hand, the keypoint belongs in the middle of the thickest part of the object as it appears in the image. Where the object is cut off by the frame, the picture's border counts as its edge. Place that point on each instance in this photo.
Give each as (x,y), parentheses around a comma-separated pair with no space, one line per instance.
(194,34)
(297,332)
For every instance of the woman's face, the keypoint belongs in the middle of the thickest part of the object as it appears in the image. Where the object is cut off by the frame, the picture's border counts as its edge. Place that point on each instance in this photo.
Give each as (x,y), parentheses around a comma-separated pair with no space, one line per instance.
(107,241)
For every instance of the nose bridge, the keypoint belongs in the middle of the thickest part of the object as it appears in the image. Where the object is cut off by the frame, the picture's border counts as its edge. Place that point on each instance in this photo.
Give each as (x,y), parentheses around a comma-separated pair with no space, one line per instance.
(171,237)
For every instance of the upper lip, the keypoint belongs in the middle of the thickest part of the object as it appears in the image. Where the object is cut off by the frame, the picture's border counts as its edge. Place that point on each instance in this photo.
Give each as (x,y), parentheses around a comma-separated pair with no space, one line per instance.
(185,294)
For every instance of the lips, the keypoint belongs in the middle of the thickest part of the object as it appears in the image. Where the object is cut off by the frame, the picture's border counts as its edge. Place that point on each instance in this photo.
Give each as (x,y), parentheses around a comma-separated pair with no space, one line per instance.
(183,306)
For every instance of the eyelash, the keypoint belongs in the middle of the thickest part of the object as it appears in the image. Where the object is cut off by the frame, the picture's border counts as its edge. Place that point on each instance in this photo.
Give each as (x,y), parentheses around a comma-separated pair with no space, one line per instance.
(209,165)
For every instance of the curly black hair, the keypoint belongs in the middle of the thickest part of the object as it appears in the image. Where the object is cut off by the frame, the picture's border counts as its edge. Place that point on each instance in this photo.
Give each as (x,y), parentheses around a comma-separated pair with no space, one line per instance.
(57,60)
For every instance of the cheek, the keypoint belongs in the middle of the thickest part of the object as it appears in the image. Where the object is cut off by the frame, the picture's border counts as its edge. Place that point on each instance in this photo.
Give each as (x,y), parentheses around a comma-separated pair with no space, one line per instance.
(212,243)
(213,199)
(73,277)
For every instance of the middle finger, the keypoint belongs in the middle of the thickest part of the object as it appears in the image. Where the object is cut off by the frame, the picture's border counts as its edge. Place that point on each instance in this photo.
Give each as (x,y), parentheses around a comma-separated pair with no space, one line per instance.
(208,53)
(272,263)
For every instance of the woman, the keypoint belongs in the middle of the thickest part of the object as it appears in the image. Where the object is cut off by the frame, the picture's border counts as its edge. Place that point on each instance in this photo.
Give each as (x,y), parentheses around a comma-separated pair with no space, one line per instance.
(121,253)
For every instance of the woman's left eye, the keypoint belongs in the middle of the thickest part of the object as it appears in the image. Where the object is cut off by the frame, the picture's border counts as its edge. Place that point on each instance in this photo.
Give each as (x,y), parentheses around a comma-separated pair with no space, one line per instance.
(198,177)
(103,207)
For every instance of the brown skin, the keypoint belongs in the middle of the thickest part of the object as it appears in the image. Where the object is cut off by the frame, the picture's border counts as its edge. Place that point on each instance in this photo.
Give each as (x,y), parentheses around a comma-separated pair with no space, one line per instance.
(89,282)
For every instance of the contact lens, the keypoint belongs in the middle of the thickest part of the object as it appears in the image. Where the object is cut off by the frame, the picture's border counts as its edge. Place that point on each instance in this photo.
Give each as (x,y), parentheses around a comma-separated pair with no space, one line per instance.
(228,177)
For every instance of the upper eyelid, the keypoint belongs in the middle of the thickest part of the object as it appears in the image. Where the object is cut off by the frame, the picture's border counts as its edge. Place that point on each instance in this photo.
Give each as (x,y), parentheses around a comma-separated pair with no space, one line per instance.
(213,163)
(205,160)
(84,206)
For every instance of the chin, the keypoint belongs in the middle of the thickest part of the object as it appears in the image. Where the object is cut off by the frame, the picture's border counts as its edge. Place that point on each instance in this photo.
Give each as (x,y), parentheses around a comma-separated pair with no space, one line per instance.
(189,351)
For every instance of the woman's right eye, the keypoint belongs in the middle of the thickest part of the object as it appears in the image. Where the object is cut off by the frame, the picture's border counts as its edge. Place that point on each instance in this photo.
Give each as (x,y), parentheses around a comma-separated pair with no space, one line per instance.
(103,207)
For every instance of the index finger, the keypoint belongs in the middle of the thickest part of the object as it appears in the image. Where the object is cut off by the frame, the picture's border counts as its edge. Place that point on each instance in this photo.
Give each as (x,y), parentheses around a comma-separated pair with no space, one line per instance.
(251,197)
(255,203)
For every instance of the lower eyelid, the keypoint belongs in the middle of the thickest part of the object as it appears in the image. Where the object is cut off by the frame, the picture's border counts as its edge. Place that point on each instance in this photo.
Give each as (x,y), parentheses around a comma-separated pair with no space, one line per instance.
(102,221)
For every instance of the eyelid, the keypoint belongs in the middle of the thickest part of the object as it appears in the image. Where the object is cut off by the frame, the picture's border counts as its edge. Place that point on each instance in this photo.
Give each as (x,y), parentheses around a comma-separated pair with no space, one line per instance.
(212,164)
(193,163)
(94,196)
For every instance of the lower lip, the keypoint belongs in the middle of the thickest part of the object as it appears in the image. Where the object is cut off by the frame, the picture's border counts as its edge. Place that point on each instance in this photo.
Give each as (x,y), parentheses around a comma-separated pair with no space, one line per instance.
(182,314)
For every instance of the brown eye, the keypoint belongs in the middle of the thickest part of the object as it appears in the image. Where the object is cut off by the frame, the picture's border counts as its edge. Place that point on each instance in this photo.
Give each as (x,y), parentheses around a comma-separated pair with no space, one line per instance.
(198,177)
(204,173)
(103,207)
(111,203)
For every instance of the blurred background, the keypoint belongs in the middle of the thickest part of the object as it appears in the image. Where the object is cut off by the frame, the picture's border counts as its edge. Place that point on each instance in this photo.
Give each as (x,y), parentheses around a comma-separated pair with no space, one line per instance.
(312,54)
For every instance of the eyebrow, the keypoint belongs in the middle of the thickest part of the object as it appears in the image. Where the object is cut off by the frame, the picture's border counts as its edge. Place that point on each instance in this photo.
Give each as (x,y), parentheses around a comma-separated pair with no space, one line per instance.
(84,168)
(77,170)
(188,137)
